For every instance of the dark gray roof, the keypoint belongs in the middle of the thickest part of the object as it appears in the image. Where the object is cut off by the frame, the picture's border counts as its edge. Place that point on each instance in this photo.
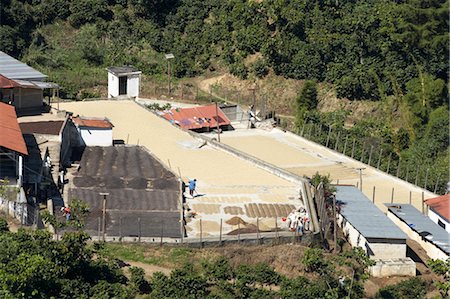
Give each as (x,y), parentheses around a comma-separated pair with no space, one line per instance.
(422,224)
(122,70)
(365,217)
(139,187)
(14,69)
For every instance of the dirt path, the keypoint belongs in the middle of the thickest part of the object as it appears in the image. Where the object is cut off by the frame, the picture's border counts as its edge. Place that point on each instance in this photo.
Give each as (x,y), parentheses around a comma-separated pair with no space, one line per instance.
(149,269)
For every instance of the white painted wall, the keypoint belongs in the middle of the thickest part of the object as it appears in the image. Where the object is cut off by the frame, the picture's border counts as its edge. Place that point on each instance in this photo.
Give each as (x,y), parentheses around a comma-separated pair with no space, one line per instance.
(380,250)
(435,217)
(96,136)
(113,85)
(432,250)
(133,86)
(133,82)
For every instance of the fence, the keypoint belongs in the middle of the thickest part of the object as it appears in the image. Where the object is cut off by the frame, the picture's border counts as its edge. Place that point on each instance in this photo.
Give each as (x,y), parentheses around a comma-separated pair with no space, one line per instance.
(374,153)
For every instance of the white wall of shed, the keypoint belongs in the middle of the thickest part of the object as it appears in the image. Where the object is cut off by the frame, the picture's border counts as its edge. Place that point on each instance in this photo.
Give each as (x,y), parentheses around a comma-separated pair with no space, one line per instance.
(96,136)
(435,217)
(133,85)
(113,85)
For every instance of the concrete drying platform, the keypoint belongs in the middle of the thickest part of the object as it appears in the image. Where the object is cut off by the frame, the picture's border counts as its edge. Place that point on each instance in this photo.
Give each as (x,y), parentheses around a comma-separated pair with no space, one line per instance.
(303,157)
(226,184)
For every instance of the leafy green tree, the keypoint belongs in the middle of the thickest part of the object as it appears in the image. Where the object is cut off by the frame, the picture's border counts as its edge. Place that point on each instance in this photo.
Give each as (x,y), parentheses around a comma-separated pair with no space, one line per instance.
(411,288)
(306,98)
(3,225)
(441,268)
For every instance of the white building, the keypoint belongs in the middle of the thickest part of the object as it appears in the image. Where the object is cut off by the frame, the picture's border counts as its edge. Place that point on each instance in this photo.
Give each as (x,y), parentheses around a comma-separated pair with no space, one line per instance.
(439,211)
(123,81)
(94,132)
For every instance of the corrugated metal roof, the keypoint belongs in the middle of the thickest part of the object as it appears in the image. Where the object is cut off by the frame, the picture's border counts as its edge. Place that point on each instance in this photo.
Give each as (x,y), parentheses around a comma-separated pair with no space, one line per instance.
(197,117)
(14,69)
(123,70)
(422,225)
(440,205)
(364,216)
(10,134)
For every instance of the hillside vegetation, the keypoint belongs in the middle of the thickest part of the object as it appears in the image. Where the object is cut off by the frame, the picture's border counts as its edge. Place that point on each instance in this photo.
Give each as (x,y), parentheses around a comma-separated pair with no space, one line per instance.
(393,53)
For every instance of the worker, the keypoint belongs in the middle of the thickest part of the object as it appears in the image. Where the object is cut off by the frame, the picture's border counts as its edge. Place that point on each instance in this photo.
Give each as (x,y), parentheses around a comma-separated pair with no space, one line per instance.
(66,212)
(192,185)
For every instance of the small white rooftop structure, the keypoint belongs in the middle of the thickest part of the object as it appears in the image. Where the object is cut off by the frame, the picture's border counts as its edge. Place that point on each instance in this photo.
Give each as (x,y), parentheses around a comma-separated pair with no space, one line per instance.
(123,81)
(94,131)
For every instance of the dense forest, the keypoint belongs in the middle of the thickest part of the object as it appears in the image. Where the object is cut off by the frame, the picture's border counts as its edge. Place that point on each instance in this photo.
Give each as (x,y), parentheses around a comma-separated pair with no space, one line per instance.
(391,52)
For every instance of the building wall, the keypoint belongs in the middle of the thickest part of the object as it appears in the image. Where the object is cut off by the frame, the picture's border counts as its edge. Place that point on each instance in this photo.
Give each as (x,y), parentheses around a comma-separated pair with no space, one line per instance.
(69,138)
(28,98)
(435,217)
(96,136)
(133,85)
(432,250)
(377,250)
(113,85)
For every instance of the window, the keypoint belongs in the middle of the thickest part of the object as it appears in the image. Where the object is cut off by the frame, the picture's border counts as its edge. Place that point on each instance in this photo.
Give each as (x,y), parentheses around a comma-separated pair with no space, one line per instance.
(441,224)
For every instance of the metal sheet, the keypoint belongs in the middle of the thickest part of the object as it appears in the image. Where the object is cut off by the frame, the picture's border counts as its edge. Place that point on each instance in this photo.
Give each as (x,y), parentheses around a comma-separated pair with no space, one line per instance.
(422,224)
(14,69)
(364,216)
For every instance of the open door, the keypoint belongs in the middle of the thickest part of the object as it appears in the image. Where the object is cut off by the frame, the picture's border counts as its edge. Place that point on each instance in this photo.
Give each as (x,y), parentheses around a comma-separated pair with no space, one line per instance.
(123,85)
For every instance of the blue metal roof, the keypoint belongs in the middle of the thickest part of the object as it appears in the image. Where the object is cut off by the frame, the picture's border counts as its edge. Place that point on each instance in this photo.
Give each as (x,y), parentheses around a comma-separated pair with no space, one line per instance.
(422,224)
(14,69)
(364,216)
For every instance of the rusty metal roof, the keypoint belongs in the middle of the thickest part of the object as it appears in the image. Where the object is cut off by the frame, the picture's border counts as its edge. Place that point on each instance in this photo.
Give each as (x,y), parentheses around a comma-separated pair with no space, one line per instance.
(93,123)
(42,127)
(440,205)
(197,117)
(10,133)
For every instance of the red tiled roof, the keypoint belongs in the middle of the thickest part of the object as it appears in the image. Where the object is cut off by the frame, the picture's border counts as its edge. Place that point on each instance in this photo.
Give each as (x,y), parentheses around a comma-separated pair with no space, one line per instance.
(10,134)
(440,205)
(197,117)
(92,123)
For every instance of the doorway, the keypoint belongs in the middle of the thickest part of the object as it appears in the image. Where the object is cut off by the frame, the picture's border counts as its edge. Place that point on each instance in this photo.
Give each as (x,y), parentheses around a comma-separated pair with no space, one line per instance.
(122,85)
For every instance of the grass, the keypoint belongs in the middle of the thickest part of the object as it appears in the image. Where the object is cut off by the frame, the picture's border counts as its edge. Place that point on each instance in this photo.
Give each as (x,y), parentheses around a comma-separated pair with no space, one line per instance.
(153,255)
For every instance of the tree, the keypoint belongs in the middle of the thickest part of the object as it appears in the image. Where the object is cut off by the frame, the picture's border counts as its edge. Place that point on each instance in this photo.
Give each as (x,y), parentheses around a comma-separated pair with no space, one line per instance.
(441,268)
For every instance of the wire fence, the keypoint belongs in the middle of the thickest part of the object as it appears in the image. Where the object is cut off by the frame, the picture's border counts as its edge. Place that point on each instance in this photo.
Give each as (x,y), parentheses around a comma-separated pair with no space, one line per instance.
(373,152)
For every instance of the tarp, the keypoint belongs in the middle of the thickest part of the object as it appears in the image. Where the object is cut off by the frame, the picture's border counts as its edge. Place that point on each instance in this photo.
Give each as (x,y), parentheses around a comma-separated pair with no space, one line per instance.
(197,117)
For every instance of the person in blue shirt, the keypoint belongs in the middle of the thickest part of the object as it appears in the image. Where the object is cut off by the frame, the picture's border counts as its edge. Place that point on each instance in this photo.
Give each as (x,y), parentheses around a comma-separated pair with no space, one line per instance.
(192,185)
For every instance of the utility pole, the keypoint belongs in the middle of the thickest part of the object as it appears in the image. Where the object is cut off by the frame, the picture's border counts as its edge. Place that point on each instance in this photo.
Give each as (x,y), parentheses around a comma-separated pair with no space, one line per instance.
(104,214)
(168,57)
(334,224)
(360,177)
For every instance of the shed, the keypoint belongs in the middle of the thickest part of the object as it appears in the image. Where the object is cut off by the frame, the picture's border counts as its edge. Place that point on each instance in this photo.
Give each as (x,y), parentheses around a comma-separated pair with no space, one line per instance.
(439,211)
(94,131)
(366,226)
(433,238)
(123,81)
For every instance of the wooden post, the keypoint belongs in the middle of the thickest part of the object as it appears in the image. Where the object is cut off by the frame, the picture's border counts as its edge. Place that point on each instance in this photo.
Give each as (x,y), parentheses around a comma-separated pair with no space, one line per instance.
(362,153)
(353,148)
(410,197)
(436,185)
(99,228)
(328,137)
(257,231)
(423,202)
(379,158)
(417,176)
(201,234)
(337,141)
(162,233)
(389,162)
(239,232)
(334,224)
(426,179)
(370,155)
(104,217)
(345,144)
(373,195)
(392,195)
(220,233)
(398,167)
(276,230)
(139,229)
